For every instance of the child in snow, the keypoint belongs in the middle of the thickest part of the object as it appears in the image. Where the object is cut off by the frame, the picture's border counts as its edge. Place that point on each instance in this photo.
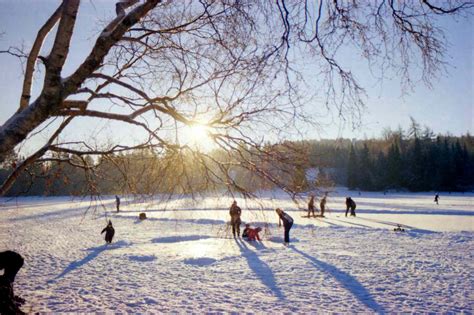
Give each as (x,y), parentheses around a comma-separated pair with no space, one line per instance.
(235,221)
(350,204)
(253,234)
(245,233)
(109,232)
(436,199)
(287,223)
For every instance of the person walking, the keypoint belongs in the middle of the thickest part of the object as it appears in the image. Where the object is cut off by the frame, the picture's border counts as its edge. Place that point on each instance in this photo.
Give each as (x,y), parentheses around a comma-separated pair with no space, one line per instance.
(436,199)
(235,221)
(109,232)
(287,224)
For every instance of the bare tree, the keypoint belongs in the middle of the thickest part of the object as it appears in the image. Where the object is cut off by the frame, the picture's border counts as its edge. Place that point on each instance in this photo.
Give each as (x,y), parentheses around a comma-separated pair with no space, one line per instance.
(238,68)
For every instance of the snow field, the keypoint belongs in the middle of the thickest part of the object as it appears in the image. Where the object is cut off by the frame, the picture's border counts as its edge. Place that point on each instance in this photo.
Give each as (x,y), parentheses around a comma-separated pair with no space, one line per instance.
(183,259)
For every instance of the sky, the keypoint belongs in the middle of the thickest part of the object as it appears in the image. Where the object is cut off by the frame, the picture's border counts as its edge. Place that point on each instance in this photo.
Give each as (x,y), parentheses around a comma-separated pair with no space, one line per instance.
(446,107)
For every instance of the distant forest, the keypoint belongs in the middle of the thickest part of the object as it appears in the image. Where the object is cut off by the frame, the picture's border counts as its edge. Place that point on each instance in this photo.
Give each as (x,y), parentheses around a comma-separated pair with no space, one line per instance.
(415,160)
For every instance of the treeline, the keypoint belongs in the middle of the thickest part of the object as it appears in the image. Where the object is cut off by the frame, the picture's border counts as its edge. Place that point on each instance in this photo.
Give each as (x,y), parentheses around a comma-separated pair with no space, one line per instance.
(148,172)
(414,160)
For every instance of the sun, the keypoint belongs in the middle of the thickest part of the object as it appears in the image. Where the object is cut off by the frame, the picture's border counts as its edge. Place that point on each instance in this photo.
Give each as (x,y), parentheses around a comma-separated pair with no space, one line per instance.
(198,136)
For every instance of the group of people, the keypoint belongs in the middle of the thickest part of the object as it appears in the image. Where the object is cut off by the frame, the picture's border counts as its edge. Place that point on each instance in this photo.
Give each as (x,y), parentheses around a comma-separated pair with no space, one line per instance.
(251,234)
(312,208)
(350,205)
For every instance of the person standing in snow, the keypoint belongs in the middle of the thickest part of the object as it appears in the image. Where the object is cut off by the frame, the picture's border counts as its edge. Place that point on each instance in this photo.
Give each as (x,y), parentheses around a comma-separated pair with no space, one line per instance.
(117,202)
(311,206)
(235,221)
(109,232)
(350,204)
(322,205)
(436,199)
(287,224)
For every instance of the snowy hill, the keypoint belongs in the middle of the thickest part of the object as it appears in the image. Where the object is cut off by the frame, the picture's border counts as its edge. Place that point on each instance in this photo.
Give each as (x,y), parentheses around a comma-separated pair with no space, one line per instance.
(183,258)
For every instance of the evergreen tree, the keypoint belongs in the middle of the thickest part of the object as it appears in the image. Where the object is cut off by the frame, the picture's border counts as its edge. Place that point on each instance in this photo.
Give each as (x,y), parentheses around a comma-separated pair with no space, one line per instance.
(394,167)
(380,172)
(365,180)
(352,169)
(417,166)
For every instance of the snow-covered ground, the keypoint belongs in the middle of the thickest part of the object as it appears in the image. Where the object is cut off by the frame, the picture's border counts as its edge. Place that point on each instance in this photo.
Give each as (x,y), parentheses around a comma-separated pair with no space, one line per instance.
(183,258)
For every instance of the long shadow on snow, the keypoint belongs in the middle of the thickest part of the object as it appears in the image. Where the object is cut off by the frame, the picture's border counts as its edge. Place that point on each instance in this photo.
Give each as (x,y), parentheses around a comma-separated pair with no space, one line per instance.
(208,221)
(412,228)
(177,239)
(352,223)
(226,209)
(94,252)
(62,213)
(346,280)
(260,269)
(174,220)
(405,209)
(416,212)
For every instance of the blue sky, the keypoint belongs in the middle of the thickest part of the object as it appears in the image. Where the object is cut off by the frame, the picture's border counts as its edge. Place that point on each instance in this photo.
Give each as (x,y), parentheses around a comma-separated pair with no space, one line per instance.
(446,107)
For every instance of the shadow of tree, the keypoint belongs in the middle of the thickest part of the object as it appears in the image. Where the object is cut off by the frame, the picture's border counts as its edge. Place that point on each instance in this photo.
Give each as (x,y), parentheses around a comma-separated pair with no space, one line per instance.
(346,280)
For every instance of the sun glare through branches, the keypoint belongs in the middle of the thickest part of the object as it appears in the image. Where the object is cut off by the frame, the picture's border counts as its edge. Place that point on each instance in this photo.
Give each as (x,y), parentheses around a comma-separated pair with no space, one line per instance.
(198,136)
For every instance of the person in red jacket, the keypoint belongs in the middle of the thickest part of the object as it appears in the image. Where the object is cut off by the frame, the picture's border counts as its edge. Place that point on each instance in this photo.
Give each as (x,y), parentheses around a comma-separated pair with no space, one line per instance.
(253,234)
(287,224)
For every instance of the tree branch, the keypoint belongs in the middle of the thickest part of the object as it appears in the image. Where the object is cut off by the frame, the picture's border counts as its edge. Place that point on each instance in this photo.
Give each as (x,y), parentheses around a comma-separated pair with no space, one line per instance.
(31,61)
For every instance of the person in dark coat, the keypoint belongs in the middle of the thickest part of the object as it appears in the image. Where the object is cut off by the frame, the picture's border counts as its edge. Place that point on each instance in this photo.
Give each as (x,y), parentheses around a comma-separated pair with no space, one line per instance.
(311,206)
(436,199)
(235,221)
(287,223)
(322,205)
(109,232)
(117,202)
(10,262)
(245,233)
(350,204)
